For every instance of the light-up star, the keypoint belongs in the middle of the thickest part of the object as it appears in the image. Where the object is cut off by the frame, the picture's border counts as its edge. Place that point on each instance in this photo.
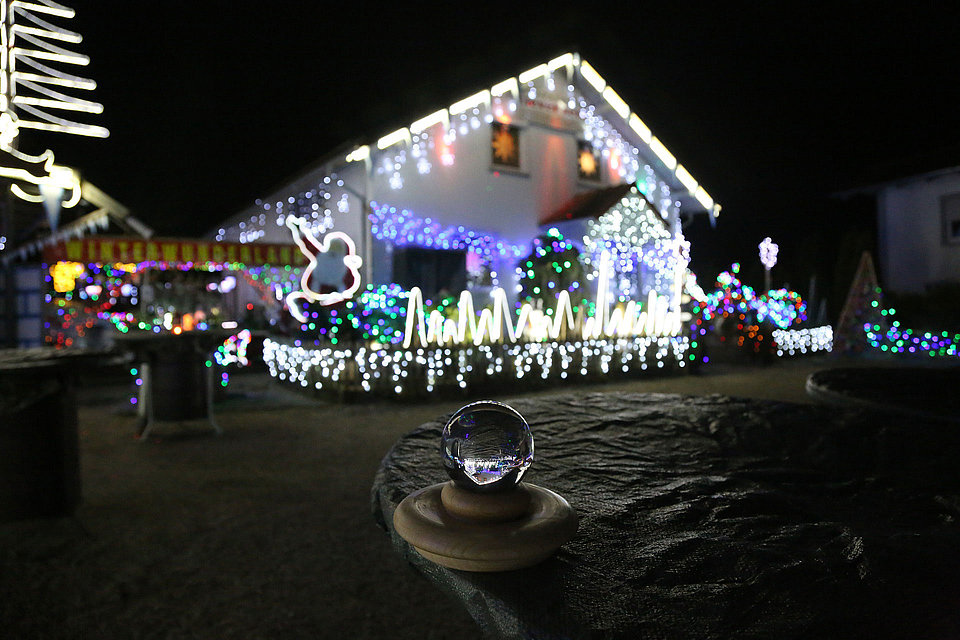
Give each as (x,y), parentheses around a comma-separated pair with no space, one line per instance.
(311,247)
(504,147)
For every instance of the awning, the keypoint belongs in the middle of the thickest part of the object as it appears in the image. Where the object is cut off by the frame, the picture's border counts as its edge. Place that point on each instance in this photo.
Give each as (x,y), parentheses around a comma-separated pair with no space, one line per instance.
(589,204)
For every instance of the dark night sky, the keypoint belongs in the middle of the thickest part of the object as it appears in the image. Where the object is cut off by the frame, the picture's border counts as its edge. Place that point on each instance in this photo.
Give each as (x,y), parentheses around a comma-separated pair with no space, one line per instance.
(211,105)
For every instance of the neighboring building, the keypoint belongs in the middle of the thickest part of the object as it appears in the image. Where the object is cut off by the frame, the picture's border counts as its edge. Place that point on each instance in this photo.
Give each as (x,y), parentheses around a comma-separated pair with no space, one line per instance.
(918,230)
(455,198)
(22,276)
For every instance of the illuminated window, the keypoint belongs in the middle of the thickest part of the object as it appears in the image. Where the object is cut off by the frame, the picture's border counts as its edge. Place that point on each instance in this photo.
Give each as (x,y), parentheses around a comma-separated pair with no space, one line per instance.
(588,161)
(950,214)
(505,145)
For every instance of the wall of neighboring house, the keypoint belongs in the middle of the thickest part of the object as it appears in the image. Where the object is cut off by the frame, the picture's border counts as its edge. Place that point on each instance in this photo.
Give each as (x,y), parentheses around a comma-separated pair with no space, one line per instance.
(919,232)
(21,325)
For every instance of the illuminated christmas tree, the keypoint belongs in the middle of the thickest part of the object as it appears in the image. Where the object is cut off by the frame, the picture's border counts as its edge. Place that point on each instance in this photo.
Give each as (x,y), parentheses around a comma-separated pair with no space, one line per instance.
(34,90)
(862,308)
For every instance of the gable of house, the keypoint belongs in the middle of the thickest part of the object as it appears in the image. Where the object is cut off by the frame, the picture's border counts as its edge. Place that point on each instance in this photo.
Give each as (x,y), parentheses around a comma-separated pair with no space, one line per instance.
(495,163)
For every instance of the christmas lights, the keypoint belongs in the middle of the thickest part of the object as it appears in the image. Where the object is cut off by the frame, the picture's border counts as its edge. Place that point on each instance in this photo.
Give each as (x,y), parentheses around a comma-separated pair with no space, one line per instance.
(812,340)
(234,349)
(497,324)
(732,297)
(416,372)
(646,255)
(768,253)
(311,247)
(434,136)
(26,82)
(401,227)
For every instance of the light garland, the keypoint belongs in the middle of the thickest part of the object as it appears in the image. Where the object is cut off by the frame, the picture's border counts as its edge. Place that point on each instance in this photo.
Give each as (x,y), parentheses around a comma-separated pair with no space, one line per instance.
(312,205)
(402,227)
(646,255)
(97,290)
(402,372)
(894,339)
(807,340)
(732,297)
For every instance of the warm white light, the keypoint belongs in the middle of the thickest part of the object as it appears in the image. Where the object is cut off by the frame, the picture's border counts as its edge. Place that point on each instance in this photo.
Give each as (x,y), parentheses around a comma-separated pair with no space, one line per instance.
(616,102)
(510,84)
(704,198)
(437,117)
(53,33)
(393,138)
(302,234)
(73,82)
(532,74)
(686,179)
(48,174)
(535,324)
(51,9)
(590,75)
(59,101)
(642,130)
(665,156)
(560,61)
(30,53)
(358,154)
(477,99)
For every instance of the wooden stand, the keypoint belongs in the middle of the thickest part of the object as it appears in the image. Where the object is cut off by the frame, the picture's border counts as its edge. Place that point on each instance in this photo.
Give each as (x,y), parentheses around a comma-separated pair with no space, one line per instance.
(485,532)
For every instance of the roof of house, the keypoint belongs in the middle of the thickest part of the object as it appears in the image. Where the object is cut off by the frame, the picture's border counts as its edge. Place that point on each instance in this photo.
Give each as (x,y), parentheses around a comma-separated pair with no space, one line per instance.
(684,187)
(652,147)
(588,204)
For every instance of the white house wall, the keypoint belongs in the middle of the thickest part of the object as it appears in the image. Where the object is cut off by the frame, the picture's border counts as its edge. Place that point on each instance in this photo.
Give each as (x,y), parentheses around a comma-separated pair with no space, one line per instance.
(470,193)
(913,252)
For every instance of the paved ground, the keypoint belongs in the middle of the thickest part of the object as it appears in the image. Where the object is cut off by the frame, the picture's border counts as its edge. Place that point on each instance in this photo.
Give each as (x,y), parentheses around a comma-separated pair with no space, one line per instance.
(264,532)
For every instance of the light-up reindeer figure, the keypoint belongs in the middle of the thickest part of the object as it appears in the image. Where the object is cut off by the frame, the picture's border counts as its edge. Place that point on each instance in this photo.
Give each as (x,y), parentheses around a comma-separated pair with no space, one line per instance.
(312,247)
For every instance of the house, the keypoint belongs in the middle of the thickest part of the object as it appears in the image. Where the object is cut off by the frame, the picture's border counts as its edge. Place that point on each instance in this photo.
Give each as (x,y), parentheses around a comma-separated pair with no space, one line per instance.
(484,173)
(918,230)
(456,200)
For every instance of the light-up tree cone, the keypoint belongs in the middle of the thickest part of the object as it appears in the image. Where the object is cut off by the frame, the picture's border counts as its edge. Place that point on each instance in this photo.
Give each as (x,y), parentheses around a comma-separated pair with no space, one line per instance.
(485,518)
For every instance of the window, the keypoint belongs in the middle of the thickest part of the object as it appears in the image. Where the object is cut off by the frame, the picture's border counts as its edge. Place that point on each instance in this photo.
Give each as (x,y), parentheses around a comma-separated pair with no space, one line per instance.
(434,271)
(950,216)
(505,145)
(588,161)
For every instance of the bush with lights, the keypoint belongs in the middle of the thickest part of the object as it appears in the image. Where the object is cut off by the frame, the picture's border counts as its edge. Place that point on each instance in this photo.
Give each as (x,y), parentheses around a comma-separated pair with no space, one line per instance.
(551,267)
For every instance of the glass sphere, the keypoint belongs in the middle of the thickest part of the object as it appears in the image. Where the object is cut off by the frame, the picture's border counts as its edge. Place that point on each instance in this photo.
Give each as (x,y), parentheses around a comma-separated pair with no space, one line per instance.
(486,446)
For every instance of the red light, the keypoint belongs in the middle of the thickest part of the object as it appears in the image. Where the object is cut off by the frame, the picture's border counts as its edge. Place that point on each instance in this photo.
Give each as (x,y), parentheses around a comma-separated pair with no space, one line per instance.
(249,306)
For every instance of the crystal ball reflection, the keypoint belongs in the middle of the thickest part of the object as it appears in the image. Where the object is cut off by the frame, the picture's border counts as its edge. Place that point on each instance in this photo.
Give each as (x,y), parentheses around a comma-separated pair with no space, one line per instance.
(486,446)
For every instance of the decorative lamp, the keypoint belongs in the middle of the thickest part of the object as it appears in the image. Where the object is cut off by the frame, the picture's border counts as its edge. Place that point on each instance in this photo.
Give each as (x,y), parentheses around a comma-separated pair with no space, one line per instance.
(485,518)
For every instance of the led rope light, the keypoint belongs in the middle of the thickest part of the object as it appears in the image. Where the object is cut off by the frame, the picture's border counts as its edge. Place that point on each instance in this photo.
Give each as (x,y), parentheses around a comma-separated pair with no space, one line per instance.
(303,237)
